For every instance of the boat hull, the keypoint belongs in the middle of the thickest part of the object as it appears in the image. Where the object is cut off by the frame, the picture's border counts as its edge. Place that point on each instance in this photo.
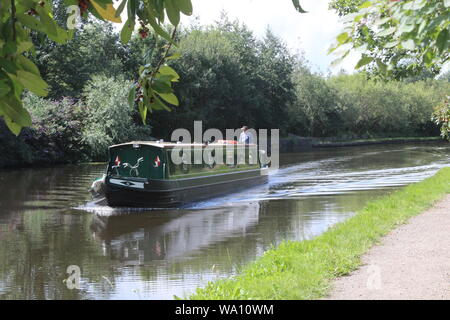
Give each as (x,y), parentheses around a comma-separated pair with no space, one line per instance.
(176,193)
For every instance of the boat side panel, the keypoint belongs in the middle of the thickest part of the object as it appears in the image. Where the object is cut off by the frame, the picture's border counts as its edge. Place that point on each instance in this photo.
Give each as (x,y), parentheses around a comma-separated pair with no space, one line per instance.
(137,161)
(170,195)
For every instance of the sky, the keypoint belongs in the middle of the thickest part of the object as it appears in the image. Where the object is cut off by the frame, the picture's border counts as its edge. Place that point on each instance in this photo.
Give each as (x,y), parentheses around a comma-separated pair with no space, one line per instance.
(312,33)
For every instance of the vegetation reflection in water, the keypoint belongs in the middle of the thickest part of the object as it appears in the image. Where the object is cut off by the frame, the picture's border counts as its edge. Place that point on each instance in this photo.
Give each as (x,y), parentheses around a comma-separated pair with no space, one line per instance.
(158,254)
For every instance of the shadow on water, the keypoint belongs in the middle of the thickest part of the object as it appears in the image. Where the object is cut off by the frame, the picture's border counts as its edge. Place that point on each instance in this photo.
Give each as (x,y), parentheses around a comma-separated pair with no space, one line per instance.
(47,223)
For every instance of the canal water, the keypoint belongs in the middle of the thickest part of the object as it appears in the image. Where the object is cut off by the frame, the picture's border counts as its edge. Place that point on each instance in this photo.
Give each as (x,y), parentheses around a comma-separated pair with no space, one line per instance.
(48,223)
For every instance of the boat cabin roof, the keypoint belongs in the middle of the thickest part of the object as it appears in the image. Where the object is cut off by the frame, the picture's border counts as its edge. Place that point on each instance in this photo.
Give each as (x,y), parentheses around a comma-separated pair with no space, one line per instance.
(171,145)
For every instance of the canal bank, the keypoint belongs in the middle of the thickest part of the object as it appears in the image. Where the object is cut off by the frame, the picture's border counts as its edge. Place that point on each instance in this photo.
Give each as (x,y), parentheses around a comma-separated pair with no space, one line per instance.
(294,143)
(410,263)
(13,156)
(306,269)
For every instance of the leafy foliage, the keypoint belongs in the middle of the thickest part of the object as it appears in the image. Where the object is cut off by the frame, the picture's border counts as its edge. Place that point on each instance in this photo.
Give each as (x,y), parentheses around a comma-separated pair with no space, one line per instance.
(442,116)
(396,38)
(55,135)
(314,111)
(94,49)
(57,125)
(20,17)
(230,78)
(67,130)
(351,106)
(108,117)
(344,7)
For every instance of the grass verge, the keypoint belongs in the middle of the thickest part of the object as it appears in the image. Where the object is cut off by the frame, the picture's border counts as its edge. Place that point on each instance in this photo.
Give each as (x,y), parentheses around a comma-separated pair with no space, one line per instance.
(305,270)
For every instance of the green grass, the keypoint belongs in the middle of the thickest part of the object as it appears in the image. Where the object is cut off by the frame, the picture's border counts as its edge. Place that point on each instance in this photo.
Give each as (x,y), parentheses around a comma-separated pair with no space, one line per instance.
(305,270)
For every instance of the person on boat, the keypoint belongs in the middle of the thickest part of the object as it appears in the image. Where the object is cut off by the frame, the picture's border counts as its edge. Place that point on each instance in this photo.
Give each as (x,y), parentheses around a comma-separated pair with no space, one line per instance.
(245,135)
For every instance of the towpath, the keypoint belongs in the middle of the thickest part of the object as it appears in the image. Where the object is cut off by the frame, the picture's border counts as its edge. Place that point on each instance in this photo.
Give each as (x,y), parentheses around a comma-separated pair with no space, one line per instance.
(411,262)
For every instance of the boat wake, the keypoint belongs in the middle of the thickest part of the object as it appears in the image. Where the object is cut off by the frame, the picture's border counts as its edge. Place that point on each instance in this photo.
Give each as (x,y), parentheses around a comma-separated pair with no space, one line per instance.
(337,175)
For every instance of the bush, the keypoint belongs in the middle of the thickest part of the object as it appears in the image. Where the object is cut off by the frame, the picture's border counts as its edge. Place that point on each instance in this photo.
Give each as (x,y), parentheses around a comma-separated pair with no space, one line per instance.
(56,130)
(108,117)
(315,111)
(441,116)
(71,131)
(354,107)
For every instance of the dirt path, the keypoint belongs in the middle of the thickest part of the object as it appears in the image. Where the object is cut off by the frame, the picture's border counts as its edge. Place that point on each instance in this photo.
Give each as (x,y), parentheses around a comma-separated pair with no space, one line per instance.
(412,262)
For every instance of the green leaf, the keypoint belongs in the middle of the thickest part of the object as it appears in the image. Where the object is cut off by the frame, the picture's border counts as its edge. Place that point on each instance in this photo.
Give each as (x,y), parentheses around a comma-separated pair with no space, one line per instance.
(17,87)
(342,37)
(30,22)
(339,60)
(172,12)
(12,126)
(47,21)
(428,57)
(442,40)
(363,61)
(11,107)
(27,65)
(381,66)
(132,96)
(4,88)
(409,44)
(383,21)
(365,5)
(166,70)
(390,45)
(170,98)
(132,6)
(161,87)
(175,56)
(61,37)
(298,7)
(24,46)
(185,6)
(32,82)
(127,30)
(160,31)
(10,48)
(405,28)
(120,8)
(386,32)
(159,105)
(8,65)
(143,112)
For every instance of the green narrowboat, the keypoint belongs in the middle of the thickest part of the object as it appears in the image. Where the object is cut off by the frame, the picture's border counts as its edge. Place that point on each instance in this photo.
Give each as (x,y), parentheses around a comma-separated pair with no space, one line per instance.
(145,174)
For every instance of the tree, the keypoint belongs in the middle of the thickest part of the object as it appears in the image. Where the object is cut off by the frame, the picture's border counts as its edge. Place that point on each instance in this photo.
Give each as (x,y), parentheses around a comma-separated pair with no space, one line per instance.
(397,39)
(19,18)
(344,7)
(441,116)
(274,70)
(315,110)
(94,49)
(109,118)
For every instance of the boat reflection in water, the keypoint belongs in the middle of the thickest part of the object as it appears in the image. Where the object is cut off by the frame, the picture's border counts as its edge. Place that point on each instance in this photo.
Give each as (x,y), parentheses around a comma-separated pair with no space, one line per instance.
(137,238)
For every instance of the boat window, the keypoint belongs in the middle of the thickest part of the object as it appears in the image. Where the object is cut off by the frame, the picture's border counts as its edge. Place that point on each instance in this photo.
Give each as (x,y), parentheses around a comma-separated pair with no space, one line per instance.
(236,158)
